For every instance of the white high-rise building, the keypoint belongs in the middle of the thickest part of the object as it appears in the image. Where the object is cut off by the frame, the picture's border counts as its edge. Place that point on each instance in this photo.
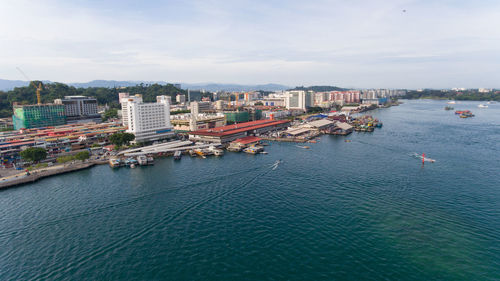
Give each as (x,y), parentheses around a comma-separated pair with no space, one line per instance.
(80,109)
(148,121)
(124,98)
(299,100)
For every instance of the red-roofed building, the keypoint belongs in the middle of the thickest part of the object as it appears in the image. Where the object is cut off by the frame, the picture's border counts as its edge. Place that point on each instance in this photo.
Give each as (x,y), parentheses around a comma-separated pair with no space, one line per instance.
(225,134)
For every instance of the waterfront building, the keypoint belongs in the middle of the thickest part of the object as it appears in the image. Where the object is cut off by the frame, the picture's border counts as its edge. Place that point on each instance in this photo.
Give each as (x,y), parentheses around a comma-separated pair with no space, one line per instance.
(80,109)
(228,133)
(38,115)
(148,121)
(58,140)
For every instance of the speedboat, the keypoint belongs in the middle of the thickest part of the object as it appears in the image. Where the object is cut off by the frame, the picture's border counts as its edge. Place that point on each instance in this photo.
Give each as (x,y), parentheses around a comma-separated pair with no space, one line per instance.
(452,102)
(482,106)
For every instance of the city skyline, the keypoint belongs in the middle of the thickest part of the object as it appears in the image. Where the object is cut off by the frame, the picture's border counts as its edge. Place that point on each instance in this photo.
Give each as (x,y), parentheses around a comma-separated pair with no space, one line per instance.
(361,44)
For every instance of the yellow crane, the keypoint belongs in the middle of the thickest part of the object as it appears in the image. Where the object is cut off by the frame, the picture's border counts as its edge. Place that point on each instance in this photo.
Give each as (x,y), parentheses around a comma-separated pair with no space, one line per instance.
(38,89)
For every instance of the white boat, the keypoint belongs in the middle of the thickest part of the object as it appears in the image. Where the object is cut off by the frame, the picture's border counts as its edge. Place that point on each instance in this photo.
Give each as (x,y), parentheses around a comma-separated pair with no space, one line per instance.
(216,151)
(142,160)
(452,102)
(482,106)
(177,155)
(151,160)
(303,146)
(426,159)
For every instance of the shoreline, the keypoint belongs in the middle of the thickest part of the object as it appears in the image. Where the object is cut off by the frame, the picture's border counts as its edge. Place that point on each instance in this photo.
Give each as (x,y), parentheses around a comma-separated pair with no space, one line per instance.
(37,175)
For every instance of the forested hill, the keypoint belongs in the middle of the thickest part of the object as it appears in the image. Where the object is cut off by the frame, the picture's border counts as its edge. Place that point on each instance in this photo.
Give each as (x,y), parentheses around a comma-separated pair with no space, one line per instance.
(471,94)
(51,91)
(320,88)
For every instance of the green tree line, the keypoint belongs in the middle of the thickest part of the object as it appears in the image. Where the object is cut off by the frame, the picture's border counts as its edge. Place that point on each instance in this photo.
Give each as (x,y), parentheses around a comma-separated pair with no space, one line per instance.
(454,95)
(52,91)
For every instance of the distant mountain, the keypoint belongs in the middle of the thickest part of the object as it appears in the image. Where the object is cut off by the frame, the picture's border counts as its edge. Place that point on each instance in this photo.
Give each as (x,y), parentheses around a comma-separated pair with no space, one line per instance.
(6,85)
(212,87)
(113,83)
(320,88)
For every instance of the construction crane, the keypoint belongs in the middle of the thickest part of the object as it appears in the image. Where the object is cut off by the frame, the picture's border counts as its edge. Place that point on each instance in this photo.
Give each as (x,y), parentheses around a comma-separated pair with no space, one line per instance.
(38,89)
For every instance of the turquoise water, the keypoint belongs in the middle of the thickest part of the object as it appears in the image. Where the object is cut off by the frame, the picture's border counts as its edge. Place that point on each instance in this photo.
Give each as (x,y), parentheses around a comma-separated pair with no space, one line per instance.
(360,210)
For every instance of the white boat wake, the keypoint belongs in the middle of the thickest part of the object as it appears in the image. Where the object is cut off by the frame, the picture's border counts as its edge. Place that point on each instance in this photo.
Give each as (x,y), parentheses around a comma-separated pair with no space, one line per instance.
(276,164)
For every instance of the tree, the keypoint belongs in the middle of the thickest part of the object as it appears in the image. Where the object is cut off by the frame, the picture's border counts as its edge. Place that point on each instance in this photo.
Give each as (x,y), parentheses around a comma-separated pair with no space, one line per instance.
(110,113)
(82,155)
(34,154)
(120,139)
(128,137)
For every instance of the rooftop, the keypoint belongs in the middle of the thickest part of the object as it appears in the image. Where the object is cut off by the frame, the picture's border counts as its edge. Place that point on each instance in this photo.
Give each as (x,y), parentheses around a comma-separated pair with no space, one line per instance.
(247,140)
(238,128)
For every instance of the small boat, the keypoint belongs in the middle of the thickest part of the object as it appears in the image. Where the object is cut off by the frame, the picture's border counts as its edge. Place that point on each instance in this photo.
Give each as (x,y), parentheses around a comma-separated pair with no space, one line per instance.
(424,159)
(142,160)
(448,108)
(275,165)
(264,152)
(200,153)
(303,146)
(347,140)
(132,165)
(151,160)
(253,149)
(482,106)
(130,161)
(115,163)
(452,102)
(218,152)
(177,155)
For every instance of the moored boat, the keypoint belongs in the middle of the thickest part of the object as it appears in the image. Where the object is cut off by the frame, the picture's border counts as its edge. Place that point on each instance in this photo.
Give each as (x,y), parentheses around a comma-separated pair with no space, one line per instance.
(142,160)
(253,149)
(115,162)
(177,155)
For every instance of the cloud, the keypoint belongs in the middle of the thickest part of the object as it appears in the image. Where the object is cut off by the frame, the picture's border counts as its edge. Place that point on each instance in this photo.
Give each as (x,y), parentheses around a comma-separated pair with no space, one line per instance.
(355,43)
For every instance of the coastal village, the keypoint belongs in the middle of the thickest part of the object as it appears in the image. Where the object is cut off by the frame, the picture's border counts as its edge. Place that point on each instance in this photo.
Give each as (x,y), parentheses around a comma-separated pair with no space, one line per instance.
(71,127)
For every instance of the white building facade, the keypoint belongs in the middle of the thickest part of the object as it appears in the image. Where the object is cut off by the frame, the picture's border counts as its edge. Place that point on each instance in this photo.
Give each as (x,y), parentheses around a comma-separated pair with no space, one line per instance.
(299,100)
(80,109)
(148,121)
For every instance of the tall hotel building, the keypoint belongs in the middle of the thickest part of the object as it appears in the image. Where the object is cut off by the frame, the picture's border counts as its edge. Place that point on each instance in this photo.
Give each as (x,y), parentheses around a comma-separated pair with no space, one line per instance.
(147,121)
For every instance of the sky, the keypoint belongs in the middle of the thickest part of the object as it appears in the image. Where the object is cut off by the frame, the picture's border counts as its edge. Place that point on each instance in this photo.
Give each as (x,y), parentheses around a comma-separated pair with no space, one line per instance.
(350,43)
